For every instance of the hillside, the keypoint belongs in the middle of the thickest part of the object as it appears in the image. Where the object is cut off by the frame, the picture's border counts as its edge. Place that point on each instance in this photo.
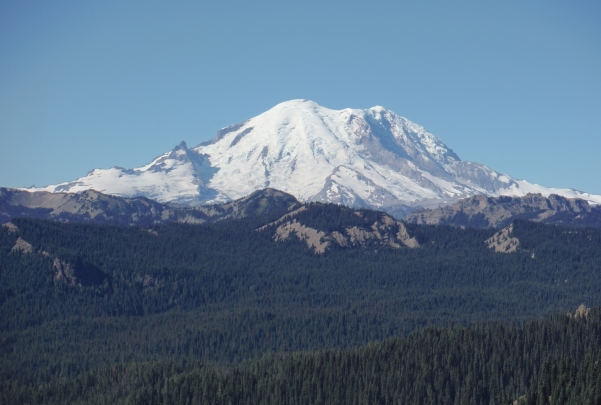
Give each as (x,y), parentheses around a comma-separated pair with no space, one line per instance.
(497,212)
(76,297)
(549,361)
(91,206)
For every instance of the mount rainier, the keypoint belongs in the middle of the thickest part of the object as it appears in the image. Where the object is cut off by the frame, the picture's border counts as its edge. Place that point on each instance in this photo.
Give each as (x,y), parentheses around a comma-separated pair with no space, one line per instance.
(361,158)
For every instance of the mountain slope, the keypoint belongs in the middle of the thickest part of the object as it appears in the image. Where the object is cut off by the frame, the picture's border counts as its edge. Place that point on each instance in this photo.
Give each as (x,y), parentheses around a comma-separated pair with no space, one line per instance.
(318,225)
(92,206)
(225,292)
(483,212)
(176,176)
(322,226)
(362,158)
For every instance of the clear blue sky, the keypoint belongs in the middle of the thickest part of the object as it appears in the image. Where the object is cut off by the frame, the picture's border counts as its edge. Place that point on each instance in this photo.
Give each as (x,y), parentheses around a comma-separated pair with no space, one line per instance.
(515,85)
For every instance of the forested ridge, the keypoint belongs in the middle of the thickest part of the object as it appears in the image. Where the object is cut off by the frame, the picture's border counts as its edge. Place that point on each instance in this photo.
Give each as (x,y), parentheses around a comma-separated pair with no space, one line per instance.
(209,298)
(550,361)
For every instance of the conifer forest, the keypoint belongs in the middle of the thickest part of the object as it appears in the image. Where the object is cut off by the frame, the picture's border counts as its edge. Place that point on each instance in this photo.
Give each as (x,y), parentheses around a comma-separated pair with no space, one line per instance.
(223,313)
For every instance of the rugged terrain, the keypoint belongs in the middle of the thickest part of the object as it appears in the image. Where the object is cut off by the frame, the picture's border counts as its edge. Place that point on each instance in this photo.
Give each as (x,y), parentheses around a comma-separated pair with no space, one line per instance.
(93,206)
(369,158)
(483,212)
(278,276)
(322,226)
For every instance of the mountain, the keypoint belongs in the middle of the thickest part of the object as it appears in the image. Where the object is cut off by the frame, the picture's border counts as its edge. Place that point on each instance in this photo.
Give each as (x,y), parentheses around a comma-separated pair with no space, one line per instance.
(319,225)
(483,212)
(79,297)
(322,226)
(369,158)
(93,206)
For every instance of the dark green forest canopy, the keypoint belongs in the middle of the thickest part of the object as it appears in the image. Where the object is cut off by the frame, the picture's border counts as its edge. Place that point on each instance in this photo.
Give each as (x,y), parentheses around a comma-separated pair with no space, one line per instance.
(225,293)
(549,361)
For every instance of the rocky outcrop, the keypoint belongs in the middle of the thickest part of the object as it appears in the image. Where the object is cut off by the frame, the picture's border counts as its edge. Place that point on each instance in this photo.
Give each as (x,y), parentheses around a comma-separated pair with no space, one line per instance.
(77,274)
(316,240)
(385,231)
(503,242)
(22,246)
(581,312)
(288,216)
(65,273)
(12,228)
(483,212)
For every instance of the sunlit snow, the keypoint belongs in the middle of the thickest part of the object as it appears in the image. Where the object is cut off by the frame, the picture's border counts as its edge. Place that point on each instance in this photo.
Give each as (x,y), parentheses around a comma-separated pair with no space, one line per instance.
(372,157)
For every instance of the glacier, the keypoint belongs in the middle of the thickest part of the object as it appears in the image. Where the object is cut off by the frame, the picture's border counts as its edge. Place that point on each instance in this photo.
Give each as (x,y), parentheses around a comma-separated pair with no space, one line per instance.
(370,158)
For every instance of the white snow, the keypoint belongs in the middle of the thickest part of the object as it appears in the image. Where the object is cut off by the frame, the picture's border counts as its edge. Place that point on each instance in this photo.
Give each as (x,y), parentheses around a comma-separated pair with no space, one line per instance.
(521,188)
(296,146)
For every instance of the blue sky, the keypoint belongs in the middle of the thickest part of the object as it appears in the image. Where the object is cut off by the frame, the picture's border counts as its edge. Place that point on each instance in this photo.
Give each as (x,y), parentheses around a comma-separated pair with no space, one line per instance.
(515,85)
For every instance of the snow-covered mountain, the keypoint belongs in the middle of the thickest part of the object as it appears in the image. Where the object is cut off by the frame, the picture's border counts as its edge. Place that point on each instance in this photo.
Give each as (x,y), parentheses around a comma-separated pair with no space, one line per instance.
(362,158)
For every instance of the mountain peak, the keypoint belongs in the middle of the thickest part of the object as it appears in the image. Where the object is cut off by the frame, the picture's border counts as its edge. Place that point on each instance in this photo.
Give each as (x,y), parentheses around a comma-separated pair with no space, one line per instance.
(181,146)
(369,158)
(297,107)
(378,109)
(297,102)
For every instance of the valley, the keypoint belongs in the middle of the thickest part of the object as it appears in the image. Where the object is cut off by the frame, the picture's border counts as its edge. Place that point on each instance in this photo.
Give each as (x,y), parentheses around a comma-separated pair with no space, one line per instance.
(226,292)
(306,255)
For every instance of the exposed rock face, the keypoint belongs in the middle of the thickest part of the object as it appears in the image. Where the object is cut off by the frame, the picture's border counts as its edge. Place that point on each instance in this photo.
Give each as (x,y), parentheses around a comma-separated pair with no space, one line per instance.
(483,211)
(65,273)
(286,217)
(77,274)
(581,312)
(12,228)
(503,242)
(316,240)
(22,246)
(385,231)
(403,236)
